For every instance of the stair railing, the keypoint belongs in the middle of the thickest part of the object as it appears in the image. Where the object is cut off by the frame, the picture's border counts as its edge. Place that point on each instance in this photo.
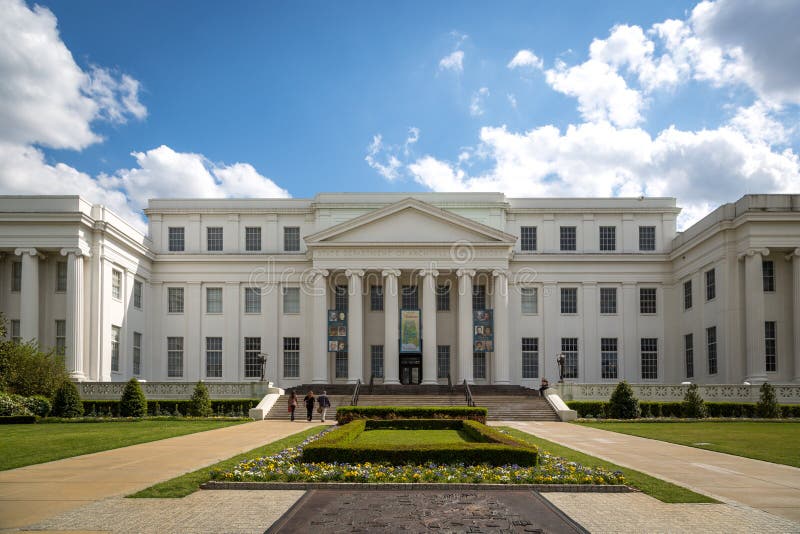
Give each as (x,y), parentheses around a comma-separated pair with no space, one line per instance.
(371,383)
(468,395)
(354,398)
(449,383)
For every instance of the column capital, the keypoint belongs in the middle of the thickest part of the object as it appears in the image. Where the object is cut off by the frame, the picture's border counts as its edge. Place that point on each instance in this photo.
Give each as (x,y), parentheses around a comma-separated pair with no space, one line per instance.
(316,273)
(793,254)
(465,272)
(753,251)
(77,251)
(500,272)
(349,273)
(26,250)
(390,272)
(428,272)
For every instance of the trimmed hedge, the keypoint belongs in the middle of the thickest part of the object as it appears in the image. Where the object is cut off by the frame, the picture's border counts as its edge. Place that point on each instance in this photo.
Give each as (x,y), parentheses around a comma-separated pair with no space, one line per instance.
(346,414)
(17,419)
(493,447)
(413,424)
(675,409)
(111,408)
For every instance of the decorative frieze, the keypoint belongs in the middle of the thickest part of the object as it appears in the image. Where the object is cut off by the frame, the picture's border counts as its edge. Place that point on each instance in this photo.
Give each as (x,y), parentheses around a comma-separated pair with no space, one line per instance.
(174,390)
(785,393)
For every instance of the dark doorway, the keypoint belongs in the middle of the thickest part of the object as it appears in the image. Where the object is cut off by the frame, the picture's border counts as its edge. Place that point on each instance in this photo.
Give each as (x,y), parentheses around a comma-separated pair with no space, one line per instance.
(410,368)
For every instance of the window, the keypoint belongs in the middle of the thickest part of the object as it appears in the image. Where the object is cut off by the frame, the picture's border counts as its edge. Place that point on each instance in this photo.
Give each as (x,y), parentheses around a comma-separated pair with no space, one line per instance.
(608,300)
(291,357)
(569,346)
(61,336)
(608,238)
(252,238)
(16,276)
(176,239)
(409,300)
(647,238)
(569,300)
(688,352)
(115,349)
(649,353)
(137,353)
(291,238)
(13,332)
(341,364)
(770,346)
(252,355)
(116,284)
(174,357)
(213,300)
(376,298)
(568,238)
(214,357)
(768,275)
(608,357)
(443,297)
(478,297)
(214,238)
(252,300)
(340,299)
(61,276)
(711,285)
(291,300)
(175,300)
(527,238)
(647,300)
(479,365)
(137,294)
(687,294)
(530,357)
(711,348)
(530,300)
(442,361)
(376,357)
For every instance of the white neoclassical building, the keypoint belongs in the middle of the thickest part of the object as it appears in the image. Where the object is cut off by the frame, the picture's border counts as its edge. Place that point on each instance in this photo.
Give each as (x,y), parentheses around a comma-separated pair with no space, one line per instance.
(408,288)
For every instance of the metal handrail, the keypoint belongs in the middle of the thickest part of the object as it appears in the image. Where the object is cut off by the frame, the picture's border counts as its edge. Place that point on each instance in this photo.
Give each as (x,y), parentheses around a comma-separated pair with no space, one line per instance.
(449,383)
(354,398)
(468,395)
(371,383)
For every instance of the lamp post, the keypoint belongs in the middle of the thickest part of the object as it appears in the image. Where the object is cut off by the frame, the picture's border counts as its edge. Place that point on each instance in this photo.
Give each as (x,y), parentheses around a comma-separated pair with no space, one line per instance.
(262,361)
(561,359)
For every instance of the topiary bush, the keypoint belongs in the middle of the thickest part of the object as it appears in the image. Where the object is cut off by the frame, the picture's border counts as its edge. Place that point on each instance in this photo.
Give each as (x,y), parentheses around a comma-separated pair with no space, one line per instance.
(623,404)
(67,401)
(693,404)
(133,402)
(767,406)
(200,403)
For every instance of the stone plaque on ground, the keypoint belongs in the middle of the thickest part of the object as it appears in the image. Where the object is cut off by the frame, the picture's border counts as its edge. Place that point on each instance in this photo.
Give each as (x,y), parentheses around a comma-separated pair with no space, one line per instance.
(334,511)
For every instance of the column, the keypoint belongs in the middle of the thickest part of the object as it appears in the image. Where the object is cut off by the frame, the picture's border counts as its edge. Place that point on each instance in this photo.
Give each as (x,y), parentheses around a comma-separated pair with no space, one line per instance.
(589,362)
(465,325)
(391,314)
(194,308)
(75,291)
(756,364)
(795,258)
(319,350)
(429,325)
(628,358)
(29,296)
(355,325)
(501,370)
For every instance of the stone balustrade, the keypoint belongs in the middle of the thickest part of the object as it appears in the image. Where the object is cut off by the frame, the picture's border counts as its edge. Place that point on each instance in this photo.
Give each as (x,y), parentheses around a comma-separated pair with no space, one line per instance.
(785,393)
(176,390)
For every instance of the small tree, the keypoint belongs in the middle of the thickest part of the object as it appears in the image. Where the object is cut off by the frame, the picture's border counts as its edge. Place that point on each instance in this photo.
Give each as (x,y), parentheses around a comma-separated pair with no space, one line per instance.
(623,404)
(26,370)
(67,401)
(133,402)
(200,404)
(767,406)
(693,404)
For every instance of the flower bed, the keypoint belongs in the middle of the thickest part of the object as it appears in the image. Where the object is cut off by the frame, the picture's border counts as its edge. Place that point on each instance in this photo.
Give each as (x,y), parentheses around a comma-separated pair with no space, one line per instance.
(287,466)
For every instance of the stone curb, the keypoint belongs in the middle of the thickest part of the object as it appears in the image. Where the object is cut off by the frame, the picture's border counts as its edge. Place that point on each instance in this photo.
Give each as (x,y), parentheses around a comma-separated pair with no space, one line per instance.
(355,486)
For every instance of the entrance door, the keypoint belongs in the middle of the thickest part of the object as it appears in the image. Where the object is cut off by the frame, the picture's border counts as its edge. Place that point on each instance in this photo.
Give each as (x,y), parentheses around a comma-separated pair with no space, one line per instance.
(410,369)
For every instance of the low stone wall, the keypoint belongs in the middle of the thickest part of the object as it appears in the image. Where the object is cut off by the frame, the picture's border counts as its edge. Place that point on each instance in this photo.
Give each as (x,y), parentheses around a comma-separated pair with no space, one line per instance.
(176,390)
(786,393)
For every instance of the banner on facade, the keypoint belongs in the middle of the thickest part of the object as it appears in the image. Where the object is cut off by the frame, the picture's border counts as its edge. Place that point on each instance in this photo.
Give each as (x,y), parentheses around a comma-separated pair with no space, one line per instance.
(409,331)
(483,331)
(337,331)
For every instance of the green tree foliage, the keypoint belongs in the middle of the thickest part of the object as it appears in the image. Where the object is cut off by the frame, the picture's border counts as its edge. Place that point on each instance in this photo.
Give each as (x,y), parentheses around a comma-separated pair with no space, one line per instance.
(27,371)
(200,404)
(67,401)
(693,404)
(767,406)
(133,402)
(623,404)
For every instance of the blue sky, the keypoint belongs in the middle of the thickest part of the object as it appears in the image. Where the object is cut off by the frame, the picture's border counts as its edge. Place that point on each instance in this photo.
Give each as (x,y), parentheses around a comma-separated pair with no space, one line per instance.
(294,98)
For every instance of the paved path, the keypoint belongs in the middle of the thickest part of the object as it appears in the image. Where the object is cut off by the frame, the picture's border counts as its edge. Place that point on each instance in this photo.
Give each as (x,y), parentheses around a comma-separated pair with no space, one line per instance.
(34,493)
(773,488)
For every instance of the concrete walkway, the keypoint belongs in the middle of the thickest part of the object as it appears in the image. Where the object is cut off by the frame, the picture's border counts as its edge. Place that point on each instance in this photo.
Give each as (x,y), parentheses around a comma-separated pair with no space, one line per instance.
(31,494)
(773,488)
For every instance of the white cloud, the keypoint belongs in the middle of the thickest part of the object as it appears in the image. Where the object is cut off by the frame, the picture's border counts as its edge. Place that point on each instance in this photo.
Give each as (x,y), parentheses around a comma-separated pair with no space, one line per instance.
(512,100)
(390,169)
(453,62)
(116,98)
(525,58)
(757,123)
(413,137)
(477,101)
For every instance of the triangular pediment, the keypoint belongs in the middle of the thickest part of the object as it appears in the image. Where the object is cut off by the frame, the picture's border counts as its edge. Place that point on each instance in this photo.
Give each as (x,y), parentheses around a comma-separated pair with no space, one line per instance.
(409,221)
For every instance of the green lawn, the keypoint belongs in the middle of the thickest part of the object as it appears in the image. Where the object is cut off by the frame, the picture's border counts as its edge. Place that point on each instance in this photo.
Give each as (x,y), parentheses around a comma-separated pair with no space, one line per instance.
(655,487)
(411,437)
(772,442)
(190,482)
(23,445)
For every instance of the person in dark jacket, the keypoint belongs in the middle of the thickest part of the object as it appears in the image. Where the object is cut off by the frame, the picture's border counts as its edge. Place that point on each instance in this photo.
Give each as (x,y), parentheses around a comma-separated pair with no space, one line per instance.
(309,400)
(324,404)
(545,385)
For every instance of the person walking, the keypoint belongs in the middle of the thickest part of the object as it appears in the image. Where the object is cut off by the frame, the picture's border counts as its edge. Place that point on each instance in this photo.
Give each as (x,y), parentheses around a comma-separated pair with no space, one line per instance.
(324,404)
(292,405)
(309,400)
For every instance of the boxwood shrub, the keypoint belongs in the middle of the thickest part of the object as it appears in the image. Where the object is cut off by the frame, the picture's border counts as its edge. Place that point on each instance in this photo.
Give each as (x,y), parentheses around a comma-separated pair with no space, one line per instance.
(675,409)
(17,419)
(346,414)
(111,408)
